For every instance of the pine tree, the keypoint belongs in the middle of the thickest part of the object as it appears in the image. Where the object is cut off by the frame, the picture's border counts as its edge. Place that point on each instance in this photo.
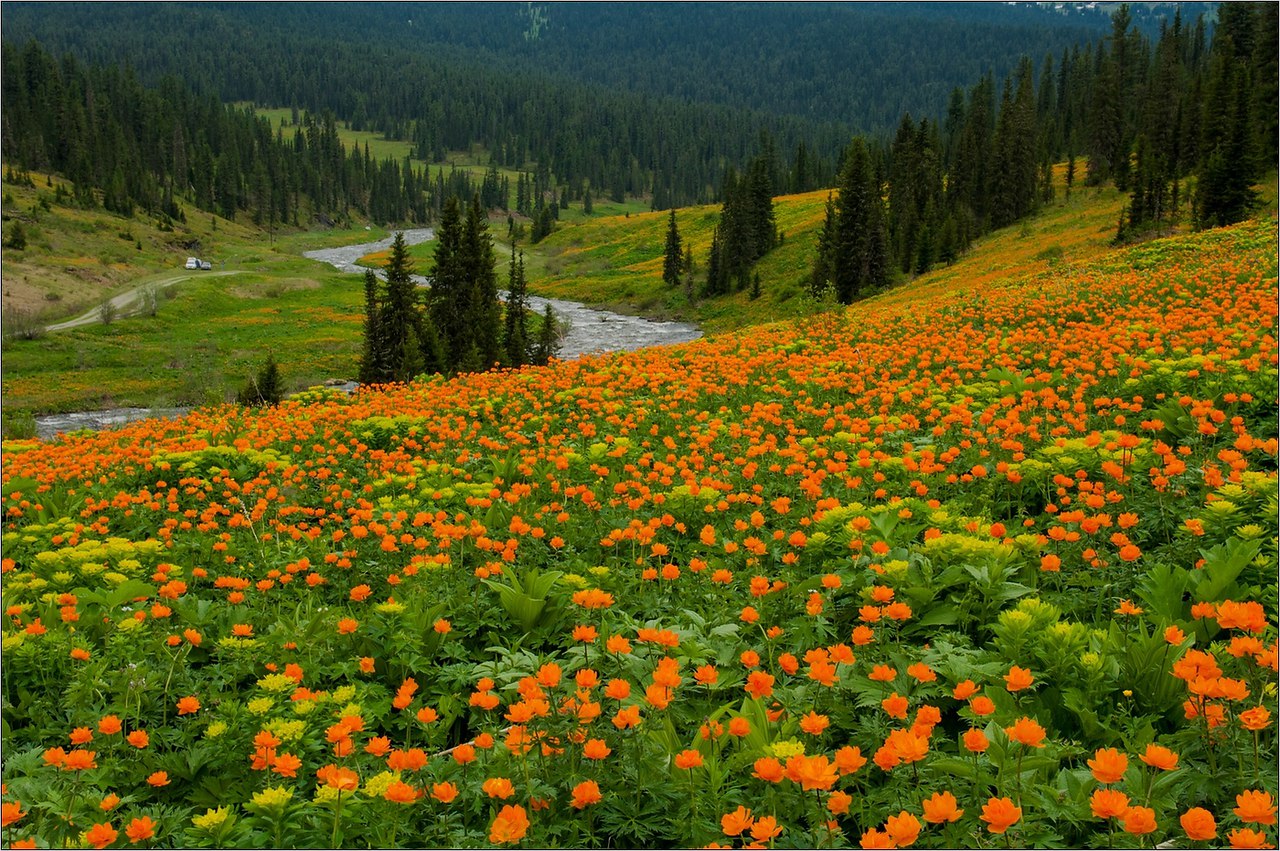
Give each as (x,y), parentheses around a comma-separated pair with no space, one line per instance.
(483,316)
(265,389)
(671,256)
(820,278)
(515,336)
(860,256)
(373,359)
(399,320)
(449,299)
(548,338)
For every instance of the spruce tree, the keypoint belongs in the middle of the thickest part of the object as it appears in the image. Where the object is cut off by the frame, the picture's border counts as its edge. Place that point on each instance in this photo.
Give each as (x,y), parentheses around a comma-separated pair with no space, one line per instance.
(860,252)
(515,336)
(548,338)
(449,299)
(483,317)
(399,319)
(373,359)
(671,257)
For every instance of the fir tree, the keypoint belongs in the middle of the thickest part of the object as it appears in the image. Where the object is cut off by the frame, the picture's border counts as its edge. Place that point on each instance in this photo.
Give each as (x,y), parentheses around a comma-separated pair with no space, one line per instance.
(373,357)
(671,256)
(548,338)
(515,335)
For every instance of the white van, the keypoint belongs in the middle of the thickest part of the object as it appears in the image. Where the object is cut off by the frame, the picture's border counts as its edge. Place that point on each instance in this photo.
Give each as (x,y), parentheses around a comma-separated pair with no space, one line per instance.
(193,263)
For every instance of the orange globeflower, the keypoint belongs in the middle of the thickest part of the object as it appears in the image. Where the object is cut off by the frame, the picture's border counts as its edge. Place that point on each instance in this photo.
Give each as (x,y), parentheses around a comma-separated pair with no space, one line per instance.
(904,828)
(346,626)
(1243,837)
(982,705)
(109,803)
(1139,821)
(895,705)
(1000,814)
(1026,731)
(1158,756)
(158,778)
(1198,823)
(140,829)
(812,772)
(975,740)
(734,823)
(768,769)
(872,838)
(1255,719)
(1256,807)
(814,724)
(1108,803)
(838,802)
(109,725)
(585,794)
(509,825)
(687,759)
(759,684)
(596,749)
(849,760)
(101,835)
(81,736)
(80,760)
(941,807)
(1018,679)
(188,705)
(10,812)
(444,792)
(1108,765)
(400,792)
(498,787)
(765,828)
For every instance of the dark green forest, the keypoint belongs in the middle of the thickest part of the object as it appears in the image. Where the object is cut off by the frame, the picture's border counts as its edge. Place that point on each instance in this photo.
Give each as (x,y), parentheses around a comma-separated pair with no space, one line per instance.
(1152,104)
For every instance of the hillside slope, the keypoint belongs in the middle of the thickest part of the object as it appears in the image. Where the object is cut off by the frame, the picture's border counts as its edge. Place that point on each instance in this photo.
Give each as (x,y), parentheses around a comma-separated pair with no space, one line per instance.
(850,567)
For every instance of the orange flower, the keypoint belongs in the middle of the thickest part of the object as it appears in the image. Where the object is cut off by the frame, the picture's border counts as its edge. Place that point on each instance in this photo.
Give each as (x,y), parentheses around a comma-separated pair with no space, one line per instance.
(982,705)
(1244,837)
(101,835)
(768,769)
(109,803)
(509,825)
(1026,731)
(739,726)
(286,765)
(873,838)
(975,740)
(1256,719)
(109,725)
(1108,803)
(346,626)
(838,802)
(1198,824)
(444,792)
(140,829)
(10,812)
(765,828)
(81,736)
(1256,807)
(895,705)
(1160,757)
(400,792)
(759,684)
(941,807)
(814,724)
(79,760)
(1108,765)
(1139,821)
(158,778)
(687,759)
(585,794)
(498,787)
(811,772)
(904,828)
(188,705)
(882,674)
(849,760)
(1000,814)
(1018,679)
(596,749)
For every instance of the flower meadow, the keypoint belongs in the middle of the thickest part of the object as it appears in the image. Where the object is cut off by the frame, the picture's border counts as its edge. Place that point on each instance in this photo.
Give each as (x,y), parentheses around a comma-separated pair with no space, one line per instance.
(978,567)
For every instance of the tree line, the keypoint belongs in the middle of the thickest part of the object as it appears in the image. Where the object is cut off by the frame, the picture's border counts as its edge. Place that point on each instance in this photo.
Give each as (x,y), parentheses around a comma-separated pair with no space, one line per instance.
(457,324)
(1152,117)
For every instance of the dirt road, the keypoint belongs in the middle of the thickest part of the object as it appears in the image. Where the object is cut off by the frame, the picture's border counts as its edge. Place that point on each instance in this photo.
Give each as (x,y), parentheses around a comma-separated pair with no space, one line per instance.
(127,303)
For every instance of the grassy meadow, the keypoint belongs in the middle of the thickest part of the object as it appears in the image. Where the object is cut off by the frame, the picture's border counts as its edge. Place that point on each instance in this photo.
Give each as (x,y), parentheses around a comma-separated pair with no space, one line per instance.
(979,562)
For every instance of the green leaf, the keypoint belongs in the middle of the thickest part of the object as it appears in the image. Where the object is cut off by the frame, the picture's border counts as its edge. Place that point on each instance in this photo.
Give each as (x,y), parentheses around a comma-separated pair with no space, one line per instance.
(1222,565)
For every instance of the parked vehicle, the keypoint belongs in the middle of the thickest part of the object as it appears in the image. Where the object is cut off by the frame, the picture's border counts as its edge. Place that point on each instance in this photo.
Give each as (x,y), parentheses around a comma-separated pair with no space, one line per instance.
(193,263)
(206,265)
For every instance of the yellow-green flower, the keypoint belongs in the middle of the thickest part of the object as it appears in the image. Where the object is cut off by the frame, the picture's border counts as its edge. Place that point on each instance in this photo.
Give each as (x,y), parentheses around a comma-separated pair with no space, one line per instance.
(274,797)
(787,748)
(212,819)
(277,683)
(261,705)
